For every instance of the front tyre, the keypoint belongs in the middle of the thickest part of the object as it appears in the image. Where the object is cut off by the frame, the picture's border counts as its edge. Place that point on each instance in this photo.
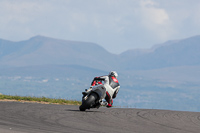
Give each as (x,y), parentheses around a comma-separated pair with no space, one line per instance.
(89,102)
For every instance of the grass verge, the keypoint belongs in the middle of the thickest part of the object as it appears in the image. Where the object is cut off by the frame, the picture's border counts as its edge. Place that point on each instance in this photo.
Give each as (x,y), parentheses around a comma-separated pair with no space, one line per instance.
(42,100)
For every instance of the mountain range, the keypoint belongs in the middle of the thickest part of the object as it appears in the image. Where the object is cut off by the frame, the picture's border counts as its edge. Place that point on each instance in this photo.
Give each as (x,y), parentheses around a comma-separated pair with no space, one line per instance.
(41,50)
(165,70)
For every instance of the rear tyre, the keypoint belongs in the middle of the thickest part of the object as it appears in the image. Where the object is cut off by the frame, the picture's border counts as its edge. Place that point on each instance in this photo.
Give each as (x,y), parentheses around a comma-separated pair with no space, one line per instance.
(89,102)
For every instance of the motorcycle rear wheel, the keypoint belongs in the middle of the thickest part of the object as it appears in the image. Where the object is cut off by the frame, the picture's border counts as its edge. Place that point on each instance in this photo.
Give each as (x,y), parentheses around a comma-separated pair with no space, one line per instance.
(89,102)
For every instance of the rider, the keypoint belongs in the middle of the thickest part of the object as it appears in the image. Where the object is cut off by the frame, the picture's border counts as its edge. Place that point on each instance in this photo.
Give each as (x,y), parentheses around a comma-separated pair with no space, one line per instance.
(111,84)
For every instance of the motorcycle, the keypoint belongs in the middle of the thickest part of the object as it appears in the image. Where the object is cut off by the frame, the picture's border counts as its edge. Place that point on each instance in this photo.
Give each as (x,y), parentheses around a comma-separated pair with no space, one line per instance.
(93,97)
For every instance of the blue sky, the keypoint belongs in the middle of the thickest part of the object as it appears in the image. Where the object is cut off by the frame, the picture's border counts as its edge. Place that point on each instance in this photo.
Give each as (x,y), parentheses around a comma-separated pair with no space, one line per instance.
(116,25)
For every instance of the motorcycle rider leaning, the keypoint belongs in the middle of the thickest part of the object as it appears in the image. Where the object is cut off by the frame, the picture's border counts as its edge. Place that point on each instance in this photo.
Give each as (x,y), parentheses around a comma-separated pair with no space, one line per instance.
(111,84)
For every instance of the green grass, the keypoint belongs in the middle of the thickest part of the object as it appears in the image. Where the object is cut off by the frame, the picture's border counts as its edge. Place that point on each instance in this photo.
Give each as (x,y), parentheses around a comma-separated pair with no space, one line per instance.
(40,99)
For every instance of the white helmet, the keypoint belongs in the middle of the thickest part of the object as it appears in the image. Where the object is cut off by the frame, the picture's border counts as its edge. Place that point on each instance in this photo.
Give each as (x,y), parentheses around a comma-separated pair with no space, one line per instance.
(113,73)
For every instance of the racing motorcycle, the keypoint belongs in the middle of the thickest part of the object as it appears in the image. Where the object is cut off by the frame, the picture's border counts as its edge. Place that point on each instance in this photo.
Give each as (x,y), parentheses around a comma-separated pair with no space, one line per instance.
(93,97)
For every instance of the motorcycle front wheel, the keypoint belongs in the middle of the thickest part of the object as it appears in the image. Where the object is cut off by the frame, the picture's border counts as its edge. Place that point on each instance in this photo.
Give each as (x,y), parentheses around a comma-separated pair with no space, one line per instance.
(89,102)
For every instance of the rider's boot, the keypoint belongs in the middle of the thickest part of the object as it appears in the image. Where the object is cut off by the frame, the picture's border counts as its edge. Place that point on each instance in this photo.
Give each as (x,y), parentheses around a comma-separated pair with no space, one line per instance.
(104,103)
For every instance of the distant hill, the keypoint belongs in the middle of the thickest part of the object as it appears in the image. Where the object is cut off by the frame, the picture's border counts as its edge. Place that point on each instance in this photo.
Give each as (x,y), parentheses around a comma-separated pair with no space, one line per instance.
(170,54)
(41,50)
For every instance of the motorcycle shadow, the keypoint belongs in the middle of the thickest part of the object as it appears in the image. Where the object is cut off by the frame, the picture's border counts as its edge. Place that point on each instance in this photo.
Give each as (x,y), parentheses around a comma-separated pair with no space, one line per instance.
(73,110)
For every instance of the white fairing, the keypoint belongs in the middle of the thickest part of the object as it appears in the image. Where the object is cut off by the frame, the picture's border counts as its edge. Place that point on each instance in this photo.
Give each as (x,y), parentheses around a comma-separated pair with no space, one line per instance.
(100,90)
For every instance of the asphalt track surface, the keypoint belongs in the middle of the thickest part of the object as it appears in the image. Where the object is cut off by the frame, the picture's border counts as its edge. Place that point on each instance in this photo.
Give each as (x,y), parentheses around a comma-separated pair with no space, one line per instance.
(39,118)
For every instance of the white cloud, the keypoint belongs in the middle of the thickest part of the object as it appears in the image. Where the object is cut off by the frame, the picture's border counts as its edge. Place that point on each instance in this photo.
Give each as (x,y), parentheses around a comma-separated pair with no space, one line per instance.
(22,11)
(196,15)
(117,25)
(17,17)
(155,16)
(156,19)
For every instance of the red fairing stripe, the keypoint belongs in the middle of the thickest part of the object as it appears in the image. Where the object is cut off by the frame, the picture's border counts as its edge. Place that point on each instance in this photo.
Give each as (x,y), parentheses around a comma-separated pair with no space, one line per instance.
(93,84)
(115,80)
